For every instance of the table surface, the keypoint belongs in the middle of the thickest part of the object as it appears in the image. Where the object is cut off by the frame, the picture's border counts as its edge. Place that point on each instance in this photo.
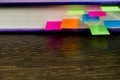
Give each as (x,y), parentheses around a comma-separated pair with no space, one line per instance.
(59,57)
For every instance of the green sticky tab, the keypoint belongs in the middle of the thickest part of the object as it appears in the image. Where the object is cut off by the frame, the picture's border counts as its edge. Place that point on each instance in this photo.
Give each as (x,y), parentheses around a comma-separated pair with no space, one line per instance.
(110,8)
(76,7)
(99,30)
(76,12)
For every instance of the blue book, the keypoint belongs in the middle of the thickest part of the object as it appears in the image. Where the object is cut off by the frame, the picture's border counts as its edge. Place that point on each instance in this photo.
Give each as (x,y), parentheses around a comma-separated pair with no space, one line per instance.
(59,1)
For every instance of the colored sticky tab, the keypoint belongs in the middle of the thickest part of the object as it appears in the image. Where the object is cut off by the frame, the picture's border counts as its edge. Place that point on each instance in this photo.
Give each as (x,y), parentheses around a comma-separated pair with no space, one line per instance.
(72,17)
(83,25)
(70,24)
(95,23)
(87,18)
(53,25)
(97,13)
(110,8)
(75,9)
(114,15)
(93,8)
(99,30)
(77,12)
(112,23)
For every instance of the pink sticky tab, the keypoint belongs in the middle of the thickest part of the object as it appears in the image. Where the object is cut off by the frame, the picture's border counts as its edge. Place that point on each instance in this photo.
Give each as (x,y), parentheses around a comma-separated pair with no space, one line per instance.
(53,25)
(97,13)
(93,8)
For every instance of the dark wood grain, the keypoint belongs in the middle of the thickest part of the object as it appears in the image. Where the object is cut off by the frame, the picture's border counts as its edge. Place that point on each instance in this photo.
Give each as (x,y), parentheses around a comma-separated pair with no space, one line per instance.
(59,57)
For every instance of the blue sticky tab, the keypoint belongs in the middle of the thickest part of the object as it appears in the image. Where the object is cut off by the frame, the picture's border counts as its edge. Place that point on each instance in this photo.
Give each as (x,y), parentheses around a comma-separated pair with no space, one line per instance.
(112,23)
(87,18)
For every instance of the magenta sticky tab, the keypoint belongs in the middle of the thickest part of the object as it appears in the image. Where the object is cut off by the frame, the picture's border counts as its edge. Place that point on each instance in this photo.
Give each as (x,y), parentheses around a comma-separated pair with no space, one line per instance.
(53,25)
(97,13)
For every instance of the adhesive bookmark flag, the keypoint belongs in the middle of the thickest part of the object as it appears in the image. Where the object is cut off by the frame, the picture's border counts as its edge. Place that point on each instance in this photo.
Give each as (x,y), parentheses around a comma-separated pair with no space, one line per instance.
(77,12)
(70,24)
(93,8)
(112,23)
(97,13)
(112,15)
(99,30)
(53,25)
(72,17)
(75,9)
(110,8)
(95,23)
(83,25)
(87,18)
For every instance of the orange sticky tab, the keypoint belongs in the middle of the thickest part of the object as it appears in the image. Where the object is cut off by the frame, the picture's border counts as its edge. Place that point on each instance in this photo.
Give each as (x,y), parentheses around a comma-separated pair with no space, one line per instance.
(70,24)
